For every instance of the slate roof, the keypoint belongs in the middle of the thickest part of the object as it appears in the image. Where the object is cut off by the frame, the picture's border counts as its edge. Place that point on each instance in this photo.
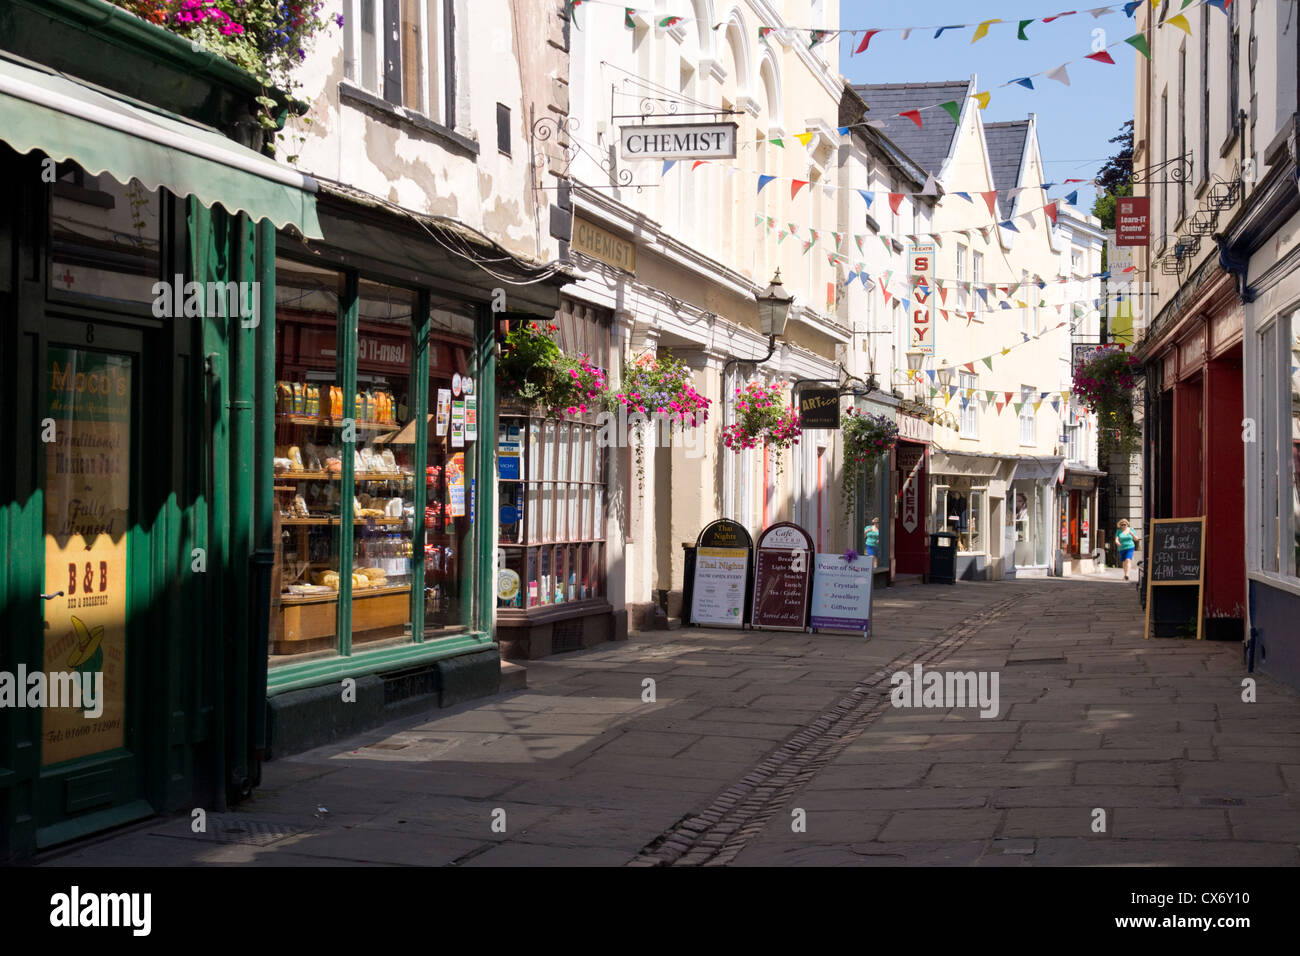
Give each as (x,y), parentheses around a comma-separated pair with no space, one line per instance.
(1006,146)
(930,144)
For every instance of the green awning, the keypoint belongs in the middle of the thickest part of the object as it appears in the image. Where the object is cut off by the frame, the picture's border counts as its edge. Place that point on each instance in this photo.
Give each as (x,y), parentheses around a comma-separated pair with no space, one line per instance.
(66,120)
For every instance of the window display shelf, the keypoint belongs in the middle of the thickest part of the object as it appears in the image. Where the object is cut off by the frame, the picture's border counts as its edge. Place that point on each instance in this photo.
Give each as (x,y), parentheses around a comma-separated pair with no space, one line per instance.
(328,476)
(313,421)
(358,594)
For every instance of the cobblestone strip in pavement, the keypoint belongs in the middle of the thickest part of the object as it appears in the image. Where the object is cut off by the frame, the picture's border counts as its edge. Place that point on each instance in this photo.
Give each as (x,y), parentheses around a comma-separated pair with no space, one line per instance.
(716,836)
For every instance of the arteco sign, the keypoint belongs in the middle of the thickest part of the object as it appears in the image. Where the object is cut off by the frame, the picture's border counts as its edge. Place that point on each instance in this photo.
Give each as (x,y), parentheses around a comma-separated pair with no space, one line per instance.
(686,141)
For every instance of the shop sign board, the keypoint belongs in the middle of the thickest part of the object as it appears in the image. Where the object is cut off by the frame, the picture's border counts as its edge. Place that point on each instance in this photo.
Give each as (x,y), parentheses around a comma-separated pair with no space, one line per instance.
(782,577)
(841,594)
(591,240)
(718,595)
(819,408)
(1175,576)
(909,465)
(1132,220)
(680,141)
(920,267)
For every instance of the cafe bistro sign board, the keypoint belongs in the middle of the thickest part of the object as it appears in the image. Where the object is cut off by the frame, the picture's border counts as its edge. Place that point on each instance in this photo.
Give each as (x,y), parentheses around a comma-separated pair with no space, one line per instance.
(680,141)
(782,577)
(721,580)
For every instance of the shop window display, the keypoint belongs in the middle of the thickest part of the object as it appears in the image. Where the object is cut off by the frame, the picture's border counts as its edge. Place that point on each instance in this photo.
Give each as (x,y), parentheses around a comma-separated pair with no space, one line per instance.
(962,509)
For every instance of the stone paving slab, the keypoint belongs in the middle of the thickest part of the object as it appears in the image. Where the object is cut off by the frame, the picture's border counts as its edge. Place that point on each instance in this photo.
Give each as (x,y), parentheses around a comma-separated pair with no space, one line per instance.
(588,774)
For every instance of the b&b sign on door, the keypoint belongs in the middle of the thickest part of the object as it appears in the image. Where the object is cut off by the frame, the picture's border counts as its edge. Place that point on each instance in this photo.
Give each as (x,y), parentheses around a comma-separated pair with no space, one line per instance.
(920,268)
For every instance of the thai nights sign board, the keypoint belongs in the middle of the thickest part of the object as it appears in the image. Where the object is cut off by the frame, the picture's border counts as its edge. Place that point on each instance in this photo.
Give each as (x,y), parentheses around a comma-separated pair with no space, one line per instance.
(841,597)
(920,269)
(720,581)
(782,577)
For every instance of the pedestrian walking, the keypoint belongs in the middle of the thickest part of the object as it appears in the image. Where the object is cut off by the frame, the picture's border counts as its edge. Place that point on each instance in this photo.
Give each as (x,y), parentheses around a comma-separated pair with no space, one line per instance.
(1126,542)
(872,534)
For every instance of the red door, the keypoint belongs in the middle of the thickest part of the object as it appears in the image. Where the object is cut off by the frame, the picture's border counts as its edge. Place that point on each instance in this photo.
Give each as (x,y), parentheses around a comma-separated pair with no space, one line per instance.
(911,481)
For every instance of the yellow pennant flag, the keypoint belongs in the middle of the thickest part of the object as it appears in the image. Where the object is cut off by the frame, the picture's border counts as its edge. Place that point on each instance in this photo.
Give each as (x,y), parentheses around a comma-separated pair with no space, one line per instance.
(1180,21)
(805,138)
(982,98)
(1037,404)
(982,30)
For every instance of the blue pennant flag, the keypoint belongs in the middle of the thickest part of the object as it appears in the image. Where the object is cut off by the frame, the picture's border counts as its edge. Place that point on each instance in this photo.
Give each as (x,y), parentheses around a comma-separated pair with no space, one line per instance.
(668,164)
(763,181)
(851,277)
(965,196)
(1003,304)
(843,131)
(955,26)
(866,280)
(1026,82)
(1025,337)
(907,305)
(1131,6)
(983,294)
(1008,224)
(867,196)
(930,372)
(1073,198)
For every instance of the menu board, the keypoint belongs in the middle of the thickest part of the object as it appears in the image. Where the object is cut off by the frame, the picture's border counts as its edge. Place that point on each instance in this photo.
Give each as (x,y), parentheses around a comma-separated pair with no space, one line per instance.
(1175,572)
(782,577)
(841,596)
(718,594)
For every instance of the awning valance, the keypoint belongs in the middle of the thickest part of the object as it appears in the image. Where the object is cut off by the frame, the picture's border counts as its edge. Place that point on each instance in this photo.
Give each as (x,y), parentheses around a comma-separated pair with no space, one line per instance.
(968,465)
(69,121)
(1030,468)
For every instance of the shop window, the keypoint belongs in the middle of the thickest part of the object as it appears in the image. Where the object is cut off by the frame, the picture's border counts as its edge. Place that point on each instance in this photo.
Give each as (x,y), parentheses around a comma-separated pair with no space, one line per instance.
(1279,429)
(551,482)
(977,277)
(105,238)
(963,297)
(962,510)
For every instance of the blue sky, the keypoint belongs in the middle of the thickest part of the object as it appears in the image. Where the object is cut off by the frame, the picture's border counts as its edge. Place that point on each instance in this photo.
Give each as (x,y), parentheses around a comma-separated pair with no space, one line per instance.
(1074,122)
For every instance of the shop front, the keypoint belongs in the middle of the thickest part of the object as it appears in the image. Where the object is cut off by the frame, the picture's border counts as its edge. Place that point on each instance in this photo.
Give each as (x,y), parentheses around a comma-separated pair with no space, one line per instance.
(874,500)
(1082,543)
(138,266)
(911,497)
(1195,459)
(968,499)
(384,473)
(1031,510)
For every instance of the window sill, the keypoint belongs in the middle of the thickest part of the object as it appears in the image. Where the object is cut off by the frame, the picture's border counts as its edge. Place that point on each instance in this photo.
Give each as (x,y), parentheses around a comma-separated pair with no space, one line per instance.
(1230,141)
(356,96)
(1272,579)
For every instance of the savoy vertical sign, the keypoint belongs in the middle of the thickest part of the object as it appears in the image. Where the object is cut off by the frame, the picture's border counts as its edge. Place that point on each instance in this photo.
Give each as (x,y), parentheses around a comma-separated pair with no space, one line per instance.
(920,270)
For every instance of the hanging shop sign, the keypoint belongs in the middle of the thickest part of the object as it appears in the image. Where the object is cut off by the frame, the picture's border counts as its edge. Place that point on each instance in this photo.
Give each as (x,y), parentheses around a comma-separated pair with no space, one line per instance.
(782,577)
(1132,221)
(920,267)
(819,408)
(680,141)
(841,593)
(591,240)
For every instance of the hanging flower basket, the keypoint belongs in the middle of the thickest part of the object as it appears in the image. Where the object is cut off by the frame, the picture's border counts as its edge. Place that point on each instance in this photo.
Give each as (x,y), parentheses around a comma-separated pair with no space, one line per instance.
(762,417)
(867,438)
(1105,381)
(534,370)
(659,388)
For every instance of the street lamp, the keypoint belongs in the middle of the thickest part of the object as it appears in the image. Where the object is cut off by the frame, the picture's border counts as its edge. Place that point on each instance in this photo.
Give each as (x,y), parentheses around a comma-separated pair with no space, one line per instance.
(945,376)
(773,308)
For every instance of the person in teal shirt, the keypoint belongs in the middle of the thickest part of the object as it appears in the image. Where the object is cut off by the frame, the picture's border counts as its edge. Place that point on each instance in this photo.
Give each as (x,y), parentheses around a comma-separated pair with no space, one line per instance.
(1126,543)
(872,534)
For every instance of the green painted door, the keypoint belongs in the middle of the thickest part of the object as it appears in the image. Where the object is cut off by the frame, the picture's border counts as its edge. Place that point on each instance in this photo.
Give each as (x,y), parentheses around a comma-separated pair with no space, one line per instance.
(95,387)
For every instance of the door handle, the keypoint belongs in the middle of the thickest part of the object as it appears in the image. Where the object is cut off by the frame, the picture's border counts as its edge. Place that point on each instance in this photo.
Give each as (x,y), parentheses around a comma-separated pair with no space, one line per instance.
(51,597)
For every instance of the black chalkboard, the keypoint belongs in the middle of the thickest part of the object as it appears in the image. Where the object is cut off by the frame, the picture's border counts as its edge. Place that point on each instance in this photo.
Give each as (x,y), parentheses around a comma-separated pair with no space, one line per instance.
(1175,574)
(1175,550)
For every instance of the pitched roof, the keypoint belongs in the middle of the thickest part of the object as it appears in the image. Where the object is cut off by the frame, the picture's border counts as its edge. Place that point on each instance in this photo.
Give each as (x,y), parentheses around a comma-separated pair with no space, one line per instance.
(928,145)
(1006,146)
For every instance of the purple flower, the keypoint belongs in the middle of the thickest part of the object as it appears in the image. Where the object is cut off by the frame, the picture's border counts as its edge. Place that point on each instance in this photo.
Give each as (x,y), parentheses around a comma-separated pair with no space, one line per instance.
(850,556)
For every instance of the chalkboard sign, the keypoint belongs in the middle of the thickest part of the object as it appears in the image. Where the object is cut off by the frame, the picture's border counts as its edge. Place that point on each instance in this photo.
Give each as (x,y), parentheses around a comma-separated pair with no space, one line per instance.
(1175,568)
(782,577)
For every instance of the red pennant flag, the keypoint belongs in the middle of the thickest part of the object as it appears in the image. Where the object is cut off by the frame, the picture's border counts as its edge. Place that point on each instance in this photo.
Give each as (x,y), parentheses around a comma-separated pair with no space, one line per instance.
(1050,209)
(1009,397)
(1101,56)
(970,367)
(894,200)
(944,313)
(796,185)
(990,197)
(884,291)
(1067,13)
(1000,407)
(862,47)
(698,163)
(914,116)
(943,294)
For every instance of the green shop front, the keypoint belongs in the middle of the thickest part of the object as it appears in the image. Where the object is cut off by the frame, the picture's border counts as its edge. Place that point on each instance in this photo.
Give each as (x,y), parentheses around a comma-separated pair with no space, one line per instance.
(196,561)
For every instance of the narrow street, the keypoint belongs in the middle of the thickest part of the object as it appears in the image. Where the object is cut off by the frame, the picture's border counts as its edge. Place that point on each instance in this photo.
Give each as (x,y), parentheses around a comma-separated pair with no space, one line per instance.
(749,728)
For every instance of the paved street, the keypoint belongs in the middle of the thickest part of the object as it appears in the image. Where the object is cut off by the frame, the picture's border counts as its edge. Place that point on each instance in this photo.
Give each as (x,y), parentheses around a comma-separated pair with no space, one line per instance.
(749,727)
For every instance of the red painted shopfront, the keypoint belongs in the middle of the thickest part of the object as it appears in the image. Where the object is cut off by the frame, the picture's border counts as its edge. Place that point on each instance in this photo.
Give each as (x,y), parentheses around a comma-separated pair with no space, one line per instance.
(1195,441)
(912,492)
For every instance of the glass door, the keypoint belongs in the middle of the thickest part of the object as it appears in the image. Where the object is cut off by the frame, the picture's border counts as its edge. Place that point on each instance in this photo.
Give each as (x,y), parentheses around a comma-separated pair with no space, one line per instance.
(92,386)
